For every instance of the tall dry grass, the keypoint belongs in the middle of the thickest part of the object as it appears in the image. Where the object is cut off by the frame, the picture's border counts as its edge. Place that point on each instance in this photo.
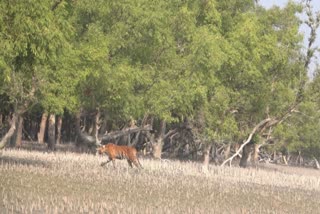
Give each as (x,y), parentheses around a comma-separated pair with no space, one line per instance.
(37,182)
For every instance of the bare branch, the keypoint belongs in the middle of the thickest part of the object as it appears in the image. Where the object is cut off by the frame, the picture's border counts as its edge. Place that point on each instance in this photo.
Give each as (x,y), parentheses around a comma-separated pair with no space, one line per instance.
(9,134)
(116,134)
(254,130)
(171,132)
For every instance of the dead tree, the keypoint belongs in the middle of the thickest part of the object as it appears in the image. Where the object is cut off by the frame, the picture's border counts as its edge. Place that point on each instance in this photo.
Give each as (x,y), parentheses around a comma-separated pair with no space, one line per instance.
(10,132)
(245,143)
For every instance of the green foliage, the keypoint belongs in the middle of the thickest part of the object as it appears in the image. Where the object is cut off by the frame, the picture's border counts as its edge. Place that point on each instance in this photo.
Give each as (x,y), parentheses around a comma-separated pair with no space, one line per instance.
(226,65)
(33,37)
(301,131)
(256,139)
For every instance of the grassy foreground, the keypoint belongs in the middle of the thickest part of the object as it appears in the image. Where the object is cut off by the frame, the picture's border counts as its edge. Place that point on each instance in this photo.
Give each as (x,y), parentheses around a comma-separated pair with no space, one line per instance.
(36,182)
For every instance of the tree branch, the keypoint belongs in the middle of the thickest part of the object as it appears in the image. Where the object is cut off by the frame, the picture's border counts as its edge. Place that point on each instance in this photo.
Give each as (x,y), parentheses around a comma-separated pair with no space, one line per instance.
(55,5)
(9,134)
(116,134)
(254,130)
(171,132)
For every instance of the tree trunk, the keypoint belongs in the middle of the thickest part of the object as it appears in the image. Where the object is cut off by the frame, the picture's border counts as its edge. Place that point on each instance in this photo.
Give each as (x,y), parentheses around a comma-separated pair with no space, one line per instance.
(59,125)
(69,129)
(33,129)
(215,154)
(260,125)
(104,125)
(299,160)
(9,134)
(206,156)
(275,157)
(236,146)
(1,118)
(42,129)
(13,139)
(227,151)
(255,159)
(19,132)
(246,155)
(51,132)
(158,144)
(91,127)
(157,148)
(97,125)
(316,163)
(284,158)
(83,138)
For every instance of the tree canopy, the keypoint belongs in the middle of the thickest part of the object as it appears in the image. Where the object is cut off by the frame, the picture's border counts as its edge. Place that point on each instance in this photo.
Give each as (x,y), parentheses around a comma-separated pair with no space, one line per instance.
(224,65)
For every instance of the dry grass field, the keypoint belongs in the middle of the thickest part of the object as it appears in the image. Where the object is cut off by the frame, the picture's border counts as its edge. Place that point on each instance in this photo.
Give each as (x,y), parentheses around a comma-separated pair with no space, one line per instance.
(65,182)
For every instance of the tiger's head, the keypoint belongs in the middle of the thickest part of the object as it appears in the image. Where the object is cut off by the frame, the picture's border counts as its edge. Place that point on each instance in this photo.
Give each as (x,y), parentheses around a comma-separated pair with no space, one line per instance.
(101,149)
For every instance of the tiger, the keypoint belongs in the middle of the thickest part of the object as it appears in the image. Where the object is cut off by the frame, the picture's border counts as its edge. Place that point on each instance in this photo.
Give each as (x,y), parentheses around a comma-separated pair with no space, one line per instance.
(114,151)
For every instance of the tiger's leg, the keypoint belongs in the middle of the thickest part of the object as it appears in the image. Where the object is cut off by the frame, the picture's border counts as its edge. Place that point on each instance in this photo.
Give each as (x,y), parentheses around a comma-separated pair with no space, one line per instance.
(130,163)
(104,163)
(137,163)
(113,162)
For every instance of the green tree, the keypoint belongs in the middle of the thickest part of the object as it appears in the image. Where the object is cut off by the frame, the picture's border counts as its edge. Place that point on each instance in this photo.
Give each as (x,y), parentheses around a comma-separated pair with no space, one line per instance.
(300,133)
(265,68)
(33,36)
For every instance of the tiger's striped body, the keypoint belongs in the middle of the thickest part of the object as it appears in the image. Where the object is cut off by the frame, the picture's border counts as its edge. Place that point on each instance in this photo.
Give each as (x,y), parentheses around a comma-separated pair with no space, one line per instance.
(114,151)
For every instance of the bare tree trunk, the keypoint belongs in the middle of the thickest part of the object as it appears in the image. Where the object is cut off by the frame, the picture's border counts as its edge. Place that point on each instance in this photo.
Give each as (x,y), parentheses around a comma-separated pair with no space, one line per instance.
(103,128)
(246,155)
(255,159)
(59,125)
(83,138)
(316,163)
(13,139)
(33,130)
(11,131)
(206,156)
(227,151)
(19,132)
(254,130)
(275,157)
(70,130)
(78,128)
(91,127)
(1,117)
(42,130)
(51,132)
(215,154)
(138,136)
(299,160)
(97,124)
(236,146)
(157,146)
(284,158)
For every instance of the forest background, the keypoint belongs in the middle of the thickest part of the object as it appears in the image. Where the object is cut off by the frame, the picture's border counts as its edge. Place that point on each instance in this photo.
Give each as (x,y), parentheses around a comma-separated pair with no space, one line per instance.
(183,78)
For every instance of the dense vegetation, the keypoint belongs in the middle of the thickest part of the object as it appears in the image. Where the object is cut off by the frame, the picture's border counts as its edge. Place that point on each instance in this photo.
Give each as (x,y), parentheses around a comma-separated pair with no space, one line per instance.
(203,73)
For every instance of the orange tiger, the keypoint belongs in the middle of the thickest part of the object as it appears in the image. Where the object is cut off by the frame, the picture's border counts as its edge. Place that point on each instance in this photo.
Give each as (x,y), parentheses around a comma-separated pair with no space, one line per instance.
(120,152)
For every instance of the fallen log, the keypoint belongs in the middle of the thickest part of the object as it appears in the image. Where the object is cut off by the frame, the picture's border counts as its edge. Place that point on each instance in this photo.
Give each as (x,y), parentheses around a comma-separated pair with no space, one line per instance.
(116,134)
(88,139)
